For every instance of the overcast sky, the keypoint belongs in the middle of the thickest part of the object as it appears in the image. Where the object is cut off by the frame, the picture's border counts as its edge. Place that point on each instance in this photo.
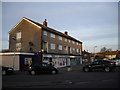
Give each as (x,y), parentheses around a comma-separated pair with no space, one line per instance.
(93,23)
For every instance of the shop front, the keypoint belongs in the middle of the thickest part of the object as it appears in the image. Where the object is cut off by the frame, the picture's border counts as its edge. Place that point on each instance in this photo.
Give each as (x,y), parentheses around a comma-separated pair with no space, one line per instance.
(62,60)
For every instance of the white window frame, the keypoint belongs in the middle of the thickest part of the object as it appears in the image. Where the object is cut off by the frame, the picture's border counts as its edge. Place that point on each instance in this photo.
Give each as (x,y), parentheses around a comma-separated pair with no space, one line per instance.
(18,35)
(52,46)
(45,33)
(65,39)
(59,47)
(60,37)
(18,46)
(73,42)
(73,49)
(77,43)
(52,35)
(69,40)
(77,50)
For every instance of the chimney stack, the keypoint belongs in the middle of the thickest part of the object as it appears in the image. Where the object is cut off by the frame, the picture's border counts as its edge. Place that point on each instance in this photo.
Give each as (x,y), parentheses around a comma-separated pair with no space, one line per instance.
(45,22)
(66,32)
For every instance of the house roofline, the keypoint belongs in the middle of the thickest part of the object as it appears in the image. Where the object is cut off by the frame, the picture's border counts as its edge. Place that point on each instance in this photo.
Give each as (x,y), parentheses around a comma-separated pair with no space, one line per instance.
(53,30)
(44,27)
(21,21)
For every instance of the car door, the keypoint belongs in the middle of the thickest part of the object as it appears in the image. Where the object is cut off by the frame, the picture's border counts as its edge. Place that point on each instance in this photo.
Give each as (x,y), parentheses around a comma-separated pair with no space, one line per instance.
(96,65)
(45,68)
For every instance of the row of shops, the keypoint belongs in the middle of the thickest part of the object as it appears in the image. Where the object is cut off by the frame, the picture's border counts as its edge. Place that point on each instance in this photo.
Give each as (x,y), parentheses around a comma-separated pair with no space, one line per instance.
(19,60)
(62,60)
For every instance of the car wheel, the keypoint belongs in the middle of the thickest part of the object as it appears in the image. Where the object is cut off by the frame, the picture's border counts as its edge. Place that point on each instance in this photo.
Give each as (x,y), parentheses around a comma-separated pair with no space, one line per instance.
(53,72)
(32,72)
(4,72)
(86,69)
(107,69)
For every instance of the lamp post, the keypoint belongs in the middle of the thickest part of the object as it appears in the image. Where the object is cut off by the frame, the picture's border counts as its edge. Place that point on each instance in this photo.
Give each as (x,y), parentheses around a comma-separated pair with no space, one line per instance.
(13,38)
(94,52)
(41,56)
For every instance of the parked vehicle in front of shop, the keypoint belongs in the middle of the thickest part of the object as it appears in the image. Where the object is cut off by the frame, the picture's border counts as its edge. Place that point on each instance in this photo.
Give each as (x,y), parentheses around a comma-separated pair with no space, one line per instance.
(104,65)
(7,70)
(44,69)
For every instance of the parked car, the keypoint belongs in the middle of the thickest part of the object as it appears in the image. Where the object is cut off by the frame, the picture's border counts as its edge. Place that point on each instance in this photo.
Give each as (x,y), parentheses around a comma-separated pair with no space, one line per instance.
(45,69)
(7,70)
(105,65)
(116,61)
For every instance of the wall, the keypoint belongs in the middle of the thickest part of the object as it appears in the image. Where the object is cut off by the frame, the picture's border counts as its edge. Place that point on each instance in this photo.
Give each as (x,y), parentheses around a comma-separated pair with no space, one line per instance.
(7,60)
(62,42)
(29,33)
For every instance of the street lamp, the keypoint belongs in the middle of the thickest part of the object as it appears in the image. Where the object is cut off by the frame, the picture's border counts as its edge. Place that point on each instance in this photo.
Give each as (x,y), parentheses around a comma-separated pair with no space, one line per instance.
(13,38)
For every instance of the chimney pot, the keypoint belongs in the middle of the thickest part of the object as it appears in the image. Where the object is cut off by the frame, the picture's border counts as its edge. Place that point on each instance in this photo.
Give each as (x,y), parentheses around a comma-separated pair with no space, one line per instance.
(66,32)
(45,22)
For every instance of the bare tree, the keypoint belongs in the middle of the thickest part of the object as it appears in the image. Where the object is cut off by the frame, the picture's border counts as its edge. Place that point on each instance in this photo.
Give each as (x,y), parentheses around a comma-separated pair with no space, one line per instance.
(104,49)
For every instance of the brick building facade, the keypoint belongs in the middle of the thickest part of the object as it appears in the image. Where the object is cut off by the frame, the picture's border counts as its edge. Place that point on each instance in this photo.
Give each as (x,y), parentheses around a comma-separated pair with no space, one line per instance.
(30,36)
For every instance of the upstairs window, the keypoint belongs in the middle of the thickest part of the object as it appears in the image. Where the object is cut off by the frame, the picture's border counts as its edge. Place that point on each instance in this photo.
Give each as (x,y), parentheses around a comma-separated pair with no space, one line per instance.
(73,49)
(52,35)
(77,43)
(52,46)
(60,47)
(69,40)
(18,46)
(73,42)
(45,33)
(18,35)
(65,39)
(59,37)
(77,50)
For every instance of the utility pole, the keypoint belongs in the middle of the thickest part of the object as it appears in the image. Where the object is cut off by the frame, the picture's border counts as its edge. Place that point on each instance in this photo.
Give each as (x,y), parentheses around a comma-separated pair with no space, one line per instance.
(13,38)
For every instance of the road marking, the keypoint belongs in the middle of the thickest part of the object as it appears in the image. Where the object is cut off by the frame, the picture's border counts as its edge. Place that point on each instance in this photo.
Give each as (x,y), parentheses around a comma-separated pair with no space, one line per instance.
(82,82)
(107,80)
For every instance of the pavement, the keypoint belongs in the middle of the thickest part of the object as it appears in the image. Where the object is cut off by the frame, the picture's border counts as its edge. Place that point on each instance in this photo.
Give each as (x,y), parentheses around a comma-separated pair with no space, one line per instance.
(73,68)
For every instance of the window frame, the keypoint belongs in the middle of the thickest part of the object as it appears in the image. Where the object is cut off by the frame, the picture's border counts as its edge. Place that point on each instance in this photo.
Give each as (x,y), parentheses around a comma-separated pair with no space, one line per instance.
(18,46)
(18,35)
(52,46)
(45,33)
(59,37)
(52,35)
(60,47)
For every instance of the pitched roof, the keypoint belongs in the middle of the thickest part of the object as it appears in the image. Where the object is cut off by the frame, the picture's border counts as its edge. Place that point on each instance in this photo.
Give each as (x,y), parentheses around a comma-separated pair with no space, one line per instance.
(53,30)
(110,52)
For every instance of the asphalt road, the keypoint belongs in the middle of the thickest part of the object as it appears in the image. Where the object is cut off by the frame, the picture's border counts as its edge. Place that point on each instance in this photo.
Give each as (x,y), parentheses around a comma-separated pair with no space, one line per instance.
(64,79)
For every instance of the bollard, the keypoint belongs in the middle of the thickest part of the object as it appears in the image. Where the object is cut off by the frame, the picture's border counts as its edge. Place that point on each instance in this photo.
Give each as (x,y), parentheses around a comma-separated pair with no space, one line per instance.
(69,69)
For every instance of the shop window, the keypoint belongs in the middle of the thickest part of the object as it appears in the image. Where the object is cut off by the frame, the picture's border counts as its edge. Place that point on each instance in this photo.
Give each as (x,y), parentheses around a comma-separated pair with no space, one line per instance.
(28,61)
